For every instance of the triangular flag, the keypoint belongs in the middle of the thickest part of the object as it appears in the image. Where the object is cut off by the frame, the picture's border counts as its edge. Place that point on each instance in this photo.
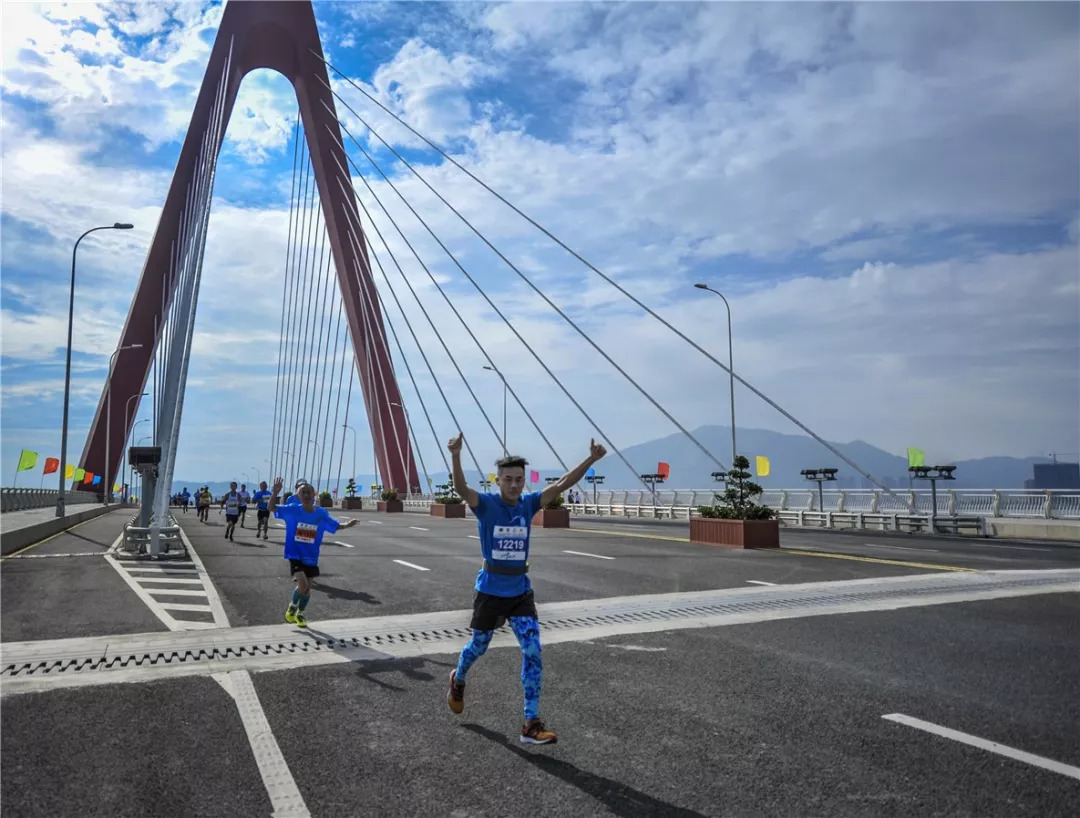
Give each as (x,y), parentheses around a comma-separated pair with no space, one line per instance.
(762,464)
(916,457)
(79,474)
(51,465)
(27,460)
(534,477)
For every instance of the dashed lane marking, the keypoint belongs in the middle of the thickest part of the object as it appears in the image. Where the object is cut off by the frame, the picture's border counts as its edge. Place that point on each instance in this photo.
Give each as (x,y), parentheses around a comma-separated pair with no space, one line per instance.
(584,554)
(411,565)
(343,544)
(374,522)
(473,537)
(759,582)
(418,528)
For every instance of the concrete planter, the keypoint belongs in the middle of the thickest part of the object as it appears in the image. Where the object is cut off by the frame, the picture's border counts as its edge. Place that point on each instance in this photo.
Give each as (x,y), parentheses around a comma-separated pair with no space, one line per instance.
(391,506)
(352,503)
(326,502)
(735,533)
(552,518)
(451,511)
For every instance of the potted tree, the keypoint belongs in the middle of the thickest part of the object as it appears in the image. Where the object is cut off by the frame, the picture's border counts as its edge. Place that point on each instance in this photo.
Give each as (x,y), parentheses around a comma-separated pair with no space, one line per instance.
(737,520)
(390,502)
(326,499)
(351,502)
(553,515)
(447,503)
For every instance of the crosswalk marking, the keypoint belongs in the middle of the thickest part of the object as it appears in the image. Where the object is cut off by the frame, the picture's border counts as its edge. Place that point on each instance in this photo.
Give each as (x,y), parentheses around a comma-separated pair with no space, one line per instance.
(174,591)
(186,606)
(176,580)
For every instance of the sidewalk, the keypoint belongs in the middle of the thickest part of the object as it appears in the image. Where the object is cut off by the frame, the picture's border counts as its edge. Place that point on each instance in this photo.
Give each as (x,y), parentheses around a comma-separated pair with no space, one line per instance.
(19,529)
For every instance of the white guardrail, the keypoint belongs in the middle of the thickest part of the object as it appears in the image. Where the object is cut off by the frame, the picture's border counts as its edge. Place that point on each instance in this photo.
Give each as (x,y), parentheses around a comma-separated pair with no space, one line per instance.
(842,504)
(23,499)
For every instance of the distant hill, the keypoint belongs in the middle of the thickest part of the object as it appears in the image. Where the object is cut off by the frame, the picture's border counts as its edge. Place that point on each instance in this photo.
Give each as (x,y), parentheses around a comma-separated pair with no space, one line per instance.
(788,455)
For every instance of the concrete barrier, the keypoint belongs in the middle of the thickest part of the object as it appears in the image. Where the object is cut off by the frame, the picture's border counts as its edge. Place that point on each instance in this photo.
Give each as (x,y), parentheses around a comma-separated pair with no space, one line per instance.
(1011,528)
(17,538)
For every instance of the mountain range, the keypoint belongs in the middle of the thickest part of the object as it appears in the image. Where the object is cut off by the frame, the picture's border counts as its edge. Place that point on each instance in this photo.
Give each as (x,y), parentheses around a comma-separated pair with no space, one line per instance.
(788,455)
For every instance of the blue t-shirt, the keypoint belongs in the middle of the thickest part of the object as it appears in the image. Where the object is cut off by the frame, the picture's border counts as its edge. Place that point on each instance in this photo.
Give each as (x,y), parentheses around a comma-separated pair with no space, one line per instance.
(262,500)
(185,497)
(504,539)
(304,531)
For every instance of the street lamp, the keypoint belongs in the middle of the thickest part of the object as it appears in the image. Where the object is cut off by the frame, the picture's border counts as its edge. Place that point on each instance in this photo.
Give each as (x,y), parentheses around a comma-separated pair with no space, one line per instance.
(258,474)
(497,372)
(67,368)
(108,423)
(933,474)
(731,366)
(820,476)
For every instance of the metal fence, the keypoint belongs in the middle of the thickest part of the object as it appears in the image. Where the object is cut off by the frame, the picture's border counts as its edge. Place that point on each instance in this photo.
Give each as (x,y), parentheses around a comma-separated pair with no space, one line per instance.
(23,499)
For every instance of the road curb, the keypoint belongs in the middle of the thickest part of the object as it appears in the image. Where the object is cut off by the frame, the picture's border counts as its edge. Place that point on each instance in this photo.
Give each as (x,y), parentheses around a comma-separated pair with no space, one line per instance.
(11,541)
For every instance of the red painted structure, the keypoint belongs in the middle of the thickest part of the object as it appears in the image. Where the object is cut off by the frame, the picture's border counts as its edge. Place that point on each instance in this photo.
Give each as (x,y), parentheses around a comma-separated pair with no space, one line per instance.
(281,36)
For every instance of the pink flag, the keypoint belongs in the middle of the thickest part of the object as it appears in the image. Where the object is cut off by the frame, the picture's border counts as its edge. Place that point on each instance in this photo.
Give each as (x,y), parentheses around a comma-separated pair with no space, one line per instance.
(534,477)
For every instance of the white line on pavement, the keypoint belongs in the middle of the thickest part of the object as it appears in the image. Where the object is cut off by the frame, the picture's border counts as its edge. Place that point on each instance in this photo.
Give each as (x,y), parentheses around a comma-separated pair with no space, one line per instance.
(473,537)
(583,554)
(175,592)
(1013,547)
(759,582)
(418,528)
(183,568)
(176,580)
(374,522)
(343,544)
(901,547)
(984,744)
(186,606)
(410,565)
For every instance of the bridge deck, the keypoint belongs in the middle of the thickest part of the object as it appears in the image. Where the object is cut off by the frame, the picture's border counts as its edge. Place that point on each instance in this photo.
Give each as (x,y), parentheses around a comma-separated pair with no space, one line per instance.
(769,718)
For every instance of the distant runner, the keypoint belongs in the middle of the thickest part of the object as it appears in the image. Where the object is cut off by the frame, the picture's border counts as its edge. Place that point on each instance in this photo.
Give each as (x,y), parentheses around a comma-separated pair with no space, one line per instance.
(231,503)
(262,506)
(205,499)
(245,498)
(185,498)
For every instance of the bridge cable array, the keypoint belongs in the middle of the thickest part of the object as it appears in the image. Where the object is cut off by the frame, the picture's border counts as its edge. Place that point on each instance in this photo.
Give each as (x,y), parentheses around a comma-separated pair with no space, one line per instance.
(541,228)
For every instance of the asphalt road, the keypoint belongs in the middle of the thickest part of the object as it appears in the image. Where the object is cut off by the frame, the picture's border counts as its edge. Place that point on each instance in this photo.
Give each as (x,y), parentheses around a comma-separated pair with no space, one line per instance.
(774,718)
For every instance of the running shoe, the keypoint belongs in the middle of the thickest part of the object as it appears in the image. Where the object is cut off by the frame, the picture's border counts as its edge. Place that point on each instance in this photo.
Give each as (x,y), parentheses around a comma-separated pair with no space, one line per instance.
(534,732)
(290,614)
(456,695)
(301,622)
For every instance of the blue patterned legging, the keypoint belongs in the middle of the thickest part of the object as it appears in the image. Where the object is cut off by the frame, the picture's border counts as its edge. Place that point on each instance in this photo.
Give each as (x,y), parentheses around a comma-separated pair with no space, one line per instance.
(528,635)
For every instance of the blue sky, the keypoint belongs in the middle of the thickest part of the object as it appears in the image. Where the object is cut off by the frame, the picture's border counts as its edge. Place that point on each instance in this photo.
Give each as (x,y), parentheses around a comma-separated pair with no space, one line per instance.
(886,192)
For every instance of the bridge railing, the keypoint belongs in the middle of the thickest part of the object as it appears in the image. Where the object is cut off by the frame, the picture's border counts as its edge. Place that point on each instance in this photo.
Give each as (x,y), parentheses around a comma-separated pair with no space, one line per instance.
(23,499)
(680,504)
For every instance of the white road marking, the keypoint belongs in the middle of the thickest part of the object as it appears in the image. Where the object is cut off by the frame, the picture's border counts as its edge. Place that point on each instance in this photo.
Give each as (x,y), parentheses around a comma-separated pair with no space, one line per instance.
(1013,547)
(759,582)
(343,544)
(583,554)
(410,565)
(901,547)
(175,591)
(374,522)
(285,797)
(984,744)
(177,580)
(54,556)
(183,568)
(418,528)
(473,537)
(186,606)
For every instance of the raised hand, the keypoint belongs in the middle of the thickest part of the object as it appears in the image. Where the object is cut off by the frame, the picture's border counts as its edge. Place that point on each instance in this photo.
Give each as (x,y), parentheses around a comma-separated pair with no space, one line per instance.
(455,444)
(278,483)
(596,450)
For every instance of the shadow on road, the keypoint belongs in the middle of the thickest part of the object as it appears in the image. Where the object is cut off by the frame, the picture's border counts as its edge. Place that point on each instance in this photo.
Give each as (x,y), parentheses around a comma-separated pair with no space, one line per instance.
(345,593)
(618,798)
(411,668)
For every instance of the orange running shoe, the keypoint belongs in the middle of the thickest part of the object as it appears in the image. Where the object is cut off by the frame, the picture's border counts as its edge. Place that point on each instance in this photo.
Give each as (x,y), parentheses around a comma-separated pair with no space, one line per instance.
(534,732)
(455,697)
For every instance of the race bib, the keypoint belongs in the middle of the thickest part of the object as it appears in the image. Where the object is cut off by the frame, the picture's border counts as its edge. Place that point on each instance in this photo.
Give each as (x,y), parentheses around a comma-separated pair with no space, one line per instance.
(230,505)
(305,533)
(511,543)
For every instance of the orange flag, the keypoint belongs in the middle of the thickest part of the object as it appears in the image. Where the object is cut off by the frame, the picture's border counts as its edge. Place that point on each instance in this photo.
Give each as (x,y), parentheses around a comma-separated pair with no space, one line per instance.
(51,464)
(88,478)
(663,469)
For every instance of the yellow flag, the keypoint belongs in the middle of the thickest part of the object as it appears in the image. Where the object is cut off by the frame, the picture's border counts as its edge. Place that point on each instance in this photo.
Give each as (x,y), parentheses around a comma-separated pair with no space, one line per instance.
(80,474)
(27,460)
(492,478)
(916,457)
(69,471)
(762,464)
(116,488)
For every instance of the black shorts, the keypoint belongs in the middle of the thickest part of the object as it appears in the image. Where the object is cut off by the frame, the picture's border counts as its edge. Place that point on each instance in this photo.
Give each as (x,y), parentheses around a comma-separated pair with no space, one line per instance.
(264,514)
(231,518)
(310,571)
(491,612)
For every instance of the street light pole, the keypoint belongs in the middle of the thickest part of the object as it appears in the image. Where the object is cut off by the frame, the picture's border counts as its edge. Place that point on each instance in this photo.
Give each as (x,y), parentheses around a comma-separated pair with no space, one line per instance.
(258,474)
(108,423)
(731,365)
(497,372)
(67,367)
